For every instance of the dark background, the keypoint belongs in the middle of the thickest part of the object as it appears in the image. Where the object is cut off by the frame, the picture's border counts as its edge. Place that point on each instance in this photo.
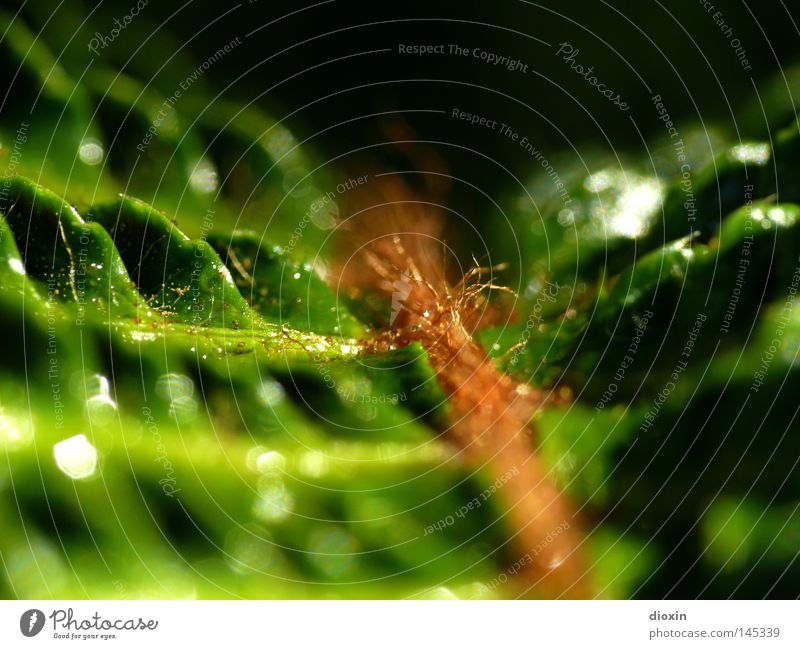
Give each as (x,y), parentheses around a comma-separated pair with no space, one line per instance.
(319,70)
(307,63)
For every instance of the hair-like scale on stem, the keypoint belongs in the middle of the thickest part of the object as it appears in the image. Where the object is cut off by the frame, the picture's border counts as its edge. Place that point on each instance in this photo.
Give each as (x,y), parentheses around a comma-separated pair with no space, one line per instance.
(394,248)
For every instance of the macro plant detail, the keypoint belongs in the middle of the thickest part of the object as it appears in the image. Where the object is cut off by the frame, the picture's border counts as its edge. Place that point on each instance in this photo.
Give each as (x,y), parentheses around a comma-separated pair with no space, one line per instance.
(337,333)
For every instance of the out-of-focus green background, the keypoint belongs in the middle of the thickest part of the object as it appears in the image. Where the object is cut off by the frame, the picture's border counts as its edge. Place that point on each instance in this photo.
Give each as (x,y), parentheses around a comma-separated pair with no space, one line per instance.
(187,417)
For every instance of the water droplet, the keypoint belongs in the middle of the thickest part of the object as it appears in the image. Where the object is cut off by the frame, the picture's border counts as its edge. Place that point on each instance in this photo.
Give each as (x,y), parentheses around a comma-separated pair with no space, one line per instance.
(100,407)
(250,549)
(314,464)
(598,182)
(781,216)
(172,386)
(16,265)
(635,206)
(138,336)
(757,154)
(76,457)
(203,178)
(333,551)
(91,152)
(178,389)
(15,433)
(270,392)
(274,502)
(270,462)
(566,217)
(278,141)
(183,409)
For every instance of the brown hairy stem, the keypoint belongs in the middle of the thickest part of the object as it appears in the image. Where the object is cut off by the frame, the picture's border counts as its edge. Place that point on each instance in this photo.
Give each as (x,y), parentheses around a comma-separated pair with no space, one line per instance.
(394,250)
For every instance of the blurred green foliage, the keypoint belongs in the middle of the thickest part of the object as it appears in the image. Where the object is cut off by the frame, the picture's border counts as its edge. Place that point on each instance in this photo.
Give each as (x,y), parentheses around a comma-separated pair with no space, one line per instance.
(157,300)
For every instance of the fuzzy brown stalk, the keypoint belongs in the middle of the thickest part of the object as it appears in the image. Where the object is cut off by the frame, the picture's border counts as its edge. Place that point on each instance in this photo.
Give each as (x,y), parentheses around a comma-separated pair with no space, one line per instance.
(395,251)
